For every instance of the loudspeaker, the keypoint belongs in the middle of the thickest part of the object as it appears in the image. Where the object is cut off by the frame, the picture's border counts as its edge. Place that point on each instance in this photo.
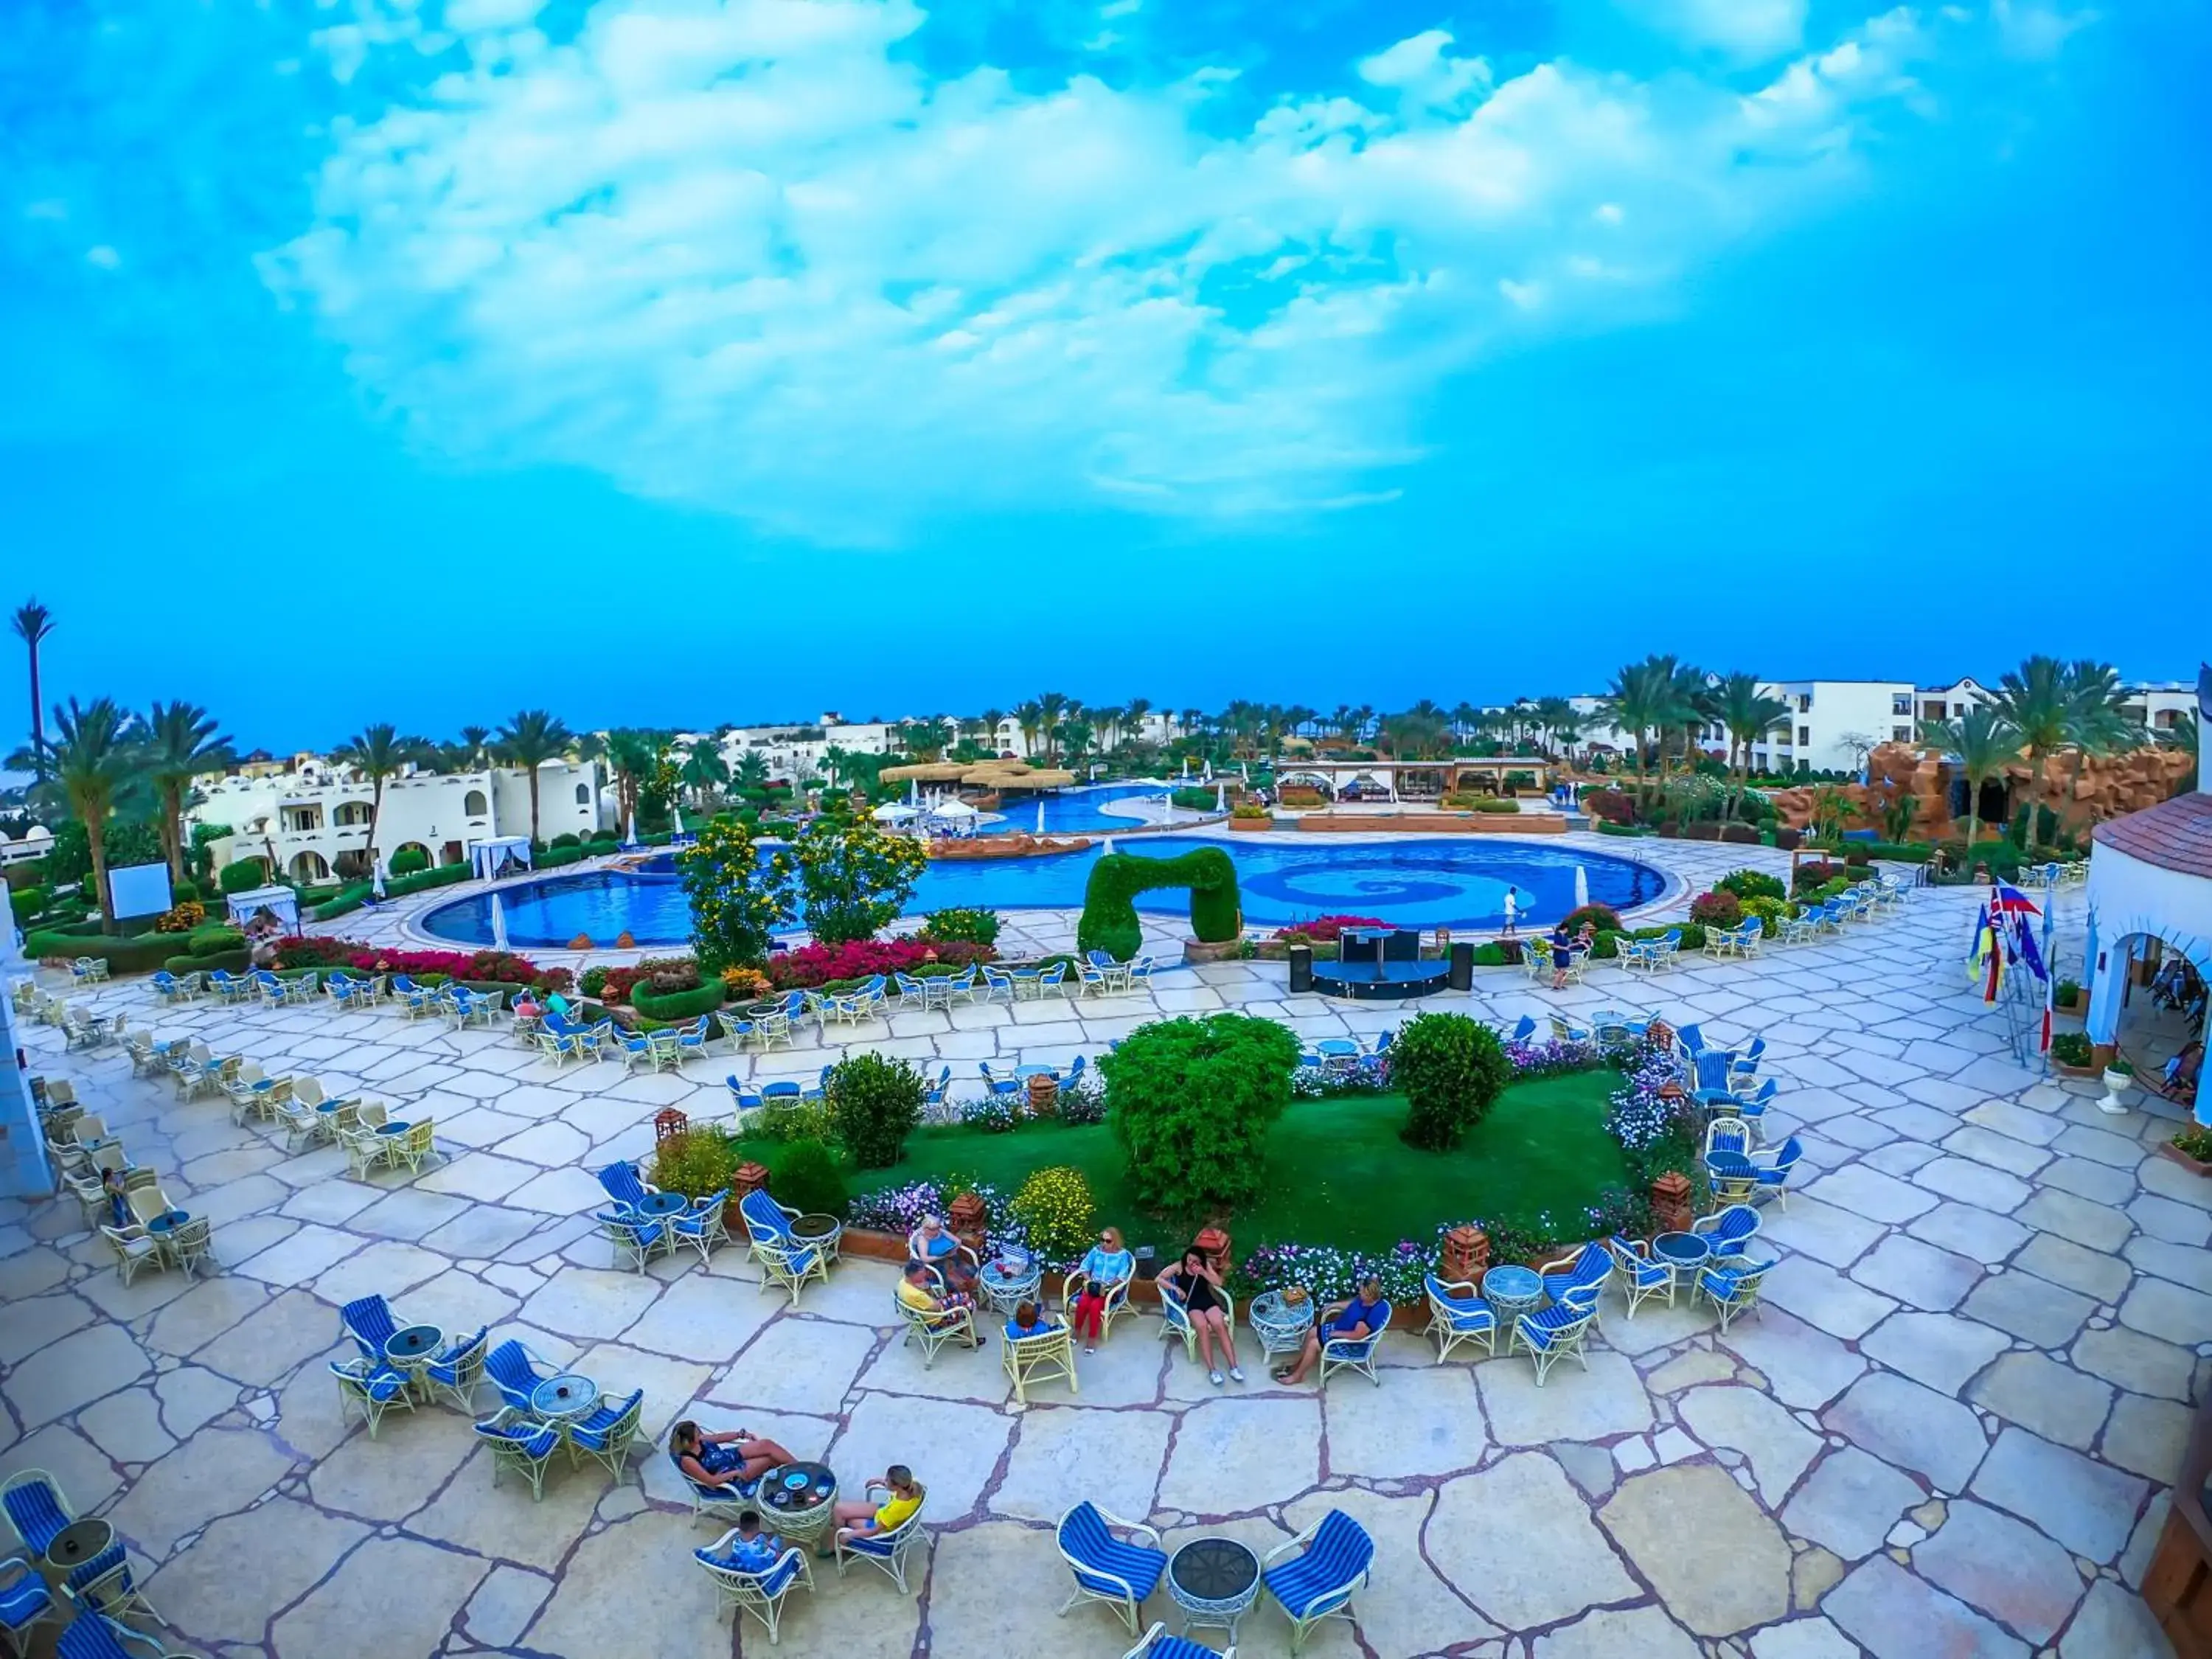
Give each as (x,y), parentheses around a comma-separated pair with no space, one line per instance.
(1463,968)
(1301,969)
(1403,946)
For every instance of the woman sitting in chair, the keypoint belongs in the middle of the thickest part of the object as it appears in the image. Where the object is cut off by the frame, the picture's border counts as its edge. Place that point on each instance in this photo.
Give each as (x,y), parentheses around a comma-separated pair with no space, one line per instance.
(862,1518)
(1198,1288)
(1347,1319)
(1105,1264)
(929,1242)
(726,1457)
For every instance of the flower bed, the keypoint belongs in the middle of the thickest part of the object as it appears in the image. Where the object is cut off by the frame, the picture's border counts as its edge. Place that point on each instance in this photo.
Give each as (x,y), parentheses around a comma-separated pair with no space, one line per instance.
(1329,929)
(494,967)
(813,965)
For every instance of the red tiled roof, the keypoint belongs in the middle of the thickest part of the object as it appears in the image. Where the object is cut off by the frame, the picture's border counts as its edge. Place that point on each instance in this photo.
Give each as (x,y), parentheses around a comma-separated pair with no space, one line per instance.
(2174,835)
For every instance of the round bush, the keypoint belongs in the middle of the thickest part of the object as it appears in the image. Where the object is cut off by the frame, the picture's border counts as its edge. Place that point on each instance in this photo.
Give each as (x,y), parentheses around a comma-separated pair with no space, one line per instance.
(804,1173)
(694,1163)
(1452,1068)
(1603,917)
(410,861)
(1716,909)
(961,927)
(244,875)
(1055,1208)
(876,1103)
(1750,885)
(25,902)
(1191,1100)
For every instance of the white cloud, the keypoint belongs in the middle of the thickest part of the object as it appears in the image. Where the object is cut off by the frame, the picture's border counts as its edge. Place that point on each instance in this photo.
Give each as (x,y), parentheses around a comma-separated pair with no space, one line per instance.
(2032,30)
(1751,31)
(104,257)
(749,257)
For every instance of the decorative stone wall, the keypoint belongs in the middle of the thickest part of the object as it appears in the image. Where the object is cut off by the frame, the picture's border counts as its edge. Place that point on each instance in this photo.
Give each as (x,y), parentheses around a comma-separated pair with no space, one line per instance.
(2109,786)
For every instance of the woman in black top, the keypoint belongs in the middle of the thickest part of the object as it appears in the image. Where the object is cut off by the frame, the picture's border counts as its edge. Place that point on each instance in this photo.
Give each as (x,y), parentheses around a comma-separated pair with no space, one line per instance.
(1198,1288)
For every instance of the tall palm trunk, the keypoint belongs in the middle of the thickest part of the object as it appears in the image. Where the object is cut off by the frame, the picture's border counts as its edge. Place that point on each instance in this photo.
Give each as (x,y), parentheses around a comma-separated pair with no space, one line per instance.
(38,720)
(95,837)
(173,828)
(533,806)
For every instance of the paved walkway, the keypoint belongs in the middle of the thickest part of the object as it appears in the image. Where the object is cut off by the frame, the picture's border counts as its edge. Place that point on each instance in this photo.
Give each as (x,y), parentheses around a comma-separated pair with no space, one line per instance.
(1950,1432)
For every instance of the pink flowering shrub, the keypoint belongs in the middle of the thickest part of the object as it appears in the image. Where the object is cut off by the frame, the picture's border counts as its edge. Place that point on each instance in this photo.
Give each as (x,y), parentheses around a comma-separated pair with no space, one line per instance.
(820,964)
(1326,930)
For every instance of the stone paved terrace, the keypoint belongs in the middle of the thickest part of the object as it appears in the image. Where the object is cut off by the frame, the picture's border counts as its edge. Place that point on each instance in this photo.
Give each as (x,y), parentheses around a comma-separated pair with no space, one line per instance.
(1949,1433)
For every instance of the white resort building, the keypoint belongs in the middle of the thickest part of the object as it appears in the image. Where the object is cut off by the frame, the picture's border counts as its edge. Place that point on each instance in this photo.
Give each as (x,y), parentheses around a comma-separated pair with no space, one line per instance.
(314,825)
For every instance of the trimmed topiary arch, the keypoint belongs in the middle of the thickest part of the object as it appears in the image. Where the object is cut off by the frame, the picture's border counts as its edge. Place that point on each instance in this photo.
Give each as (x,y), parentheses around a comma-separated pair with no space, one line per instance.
(1109,915)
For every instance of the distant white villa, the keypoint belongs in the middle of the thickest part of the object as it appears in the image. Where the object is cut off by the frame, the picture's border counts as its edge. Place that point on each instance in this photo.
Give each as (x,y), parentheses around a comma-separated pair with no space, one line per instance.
(312,824)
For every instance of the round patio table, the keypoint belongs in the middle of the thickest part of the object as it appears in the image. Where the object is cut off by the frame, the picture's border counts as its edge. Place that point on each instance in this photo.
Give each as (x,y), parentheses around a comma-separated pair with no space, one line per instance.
(168,1221)
(1512,1291)
(1010,1279)
(803,1497)
(1214,1581)
(1280,1326)
(78,1543)
(391,1128)
(564,1397)
(1684,1254)
(416,1342)
(663,1204)
(822,1231)
(1732,1174)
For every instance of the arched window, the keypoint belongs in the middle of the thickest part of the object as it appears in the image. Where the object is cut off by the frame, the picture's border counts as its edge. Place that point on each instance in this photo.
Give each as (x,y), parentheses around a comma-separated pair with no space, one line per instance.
(473,805)
(583,794)
(309,866)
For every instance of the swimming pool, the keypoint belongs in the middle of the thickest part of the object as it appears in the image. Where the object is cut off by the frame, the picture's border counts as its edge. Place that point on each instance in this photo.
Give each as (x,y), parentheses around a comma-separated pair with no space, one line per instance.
(1456,883)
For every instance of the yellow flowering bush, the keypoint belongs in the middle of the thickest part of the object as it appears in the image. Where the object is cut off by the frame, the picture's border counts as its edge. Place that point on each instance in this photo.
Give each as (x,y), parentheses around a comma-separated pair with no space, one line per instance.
(183,918)
(1054,1208)
(746,985)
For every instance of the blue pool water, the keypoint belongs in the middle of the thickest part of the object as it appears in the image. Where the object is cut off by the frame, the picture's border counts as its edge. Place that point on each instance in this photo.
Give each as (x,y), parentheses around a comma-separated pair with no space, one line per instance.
(1456,882)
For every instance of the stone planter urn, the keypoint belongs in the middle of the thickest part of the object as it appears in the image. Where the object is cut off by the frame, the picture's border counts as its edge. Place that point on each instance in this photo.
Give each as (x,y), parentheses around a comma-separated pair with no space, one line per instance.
(965,1216)
(1212,1242)
(2117,1083)
(749,1177)
(1044,1095)
(1465,1255)
(1670,1203)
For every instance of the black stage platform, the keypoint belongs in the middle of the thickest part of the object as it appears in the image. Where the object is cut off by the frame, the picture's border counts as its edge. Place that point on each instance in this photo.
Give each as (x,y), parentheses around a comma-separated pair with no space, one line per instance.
(1380,981)
(1380,964)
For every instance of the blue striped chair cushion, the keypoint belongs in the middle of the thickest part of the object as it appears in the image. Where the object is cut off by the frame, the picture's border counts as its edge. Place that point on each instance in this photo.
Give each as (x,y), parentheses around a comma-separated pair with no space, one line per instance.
(1468,1316)
(22,1602)
(769,1583)
(1179,1647)
(99,1567)
(1340,1552)
(592,1431)
(90,1637)
(533,1440)
(381,1384)
(38,1514)
(1544,1328)
(369,1320)
(761,1212)
(510,1367)
(446,1367)
(1084,1536)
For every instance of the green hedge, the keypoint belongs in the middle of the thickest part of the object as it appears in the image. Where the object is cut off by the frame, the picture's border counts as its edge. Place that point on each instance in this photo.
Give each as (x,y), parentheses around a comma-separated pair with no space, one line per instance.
(422,880)
(212,937)
(25,902)
(409,861)
(244,875)
(677,1005)
(349,900)
(1109,914)
(231,961)
(140,954)
(1606,828)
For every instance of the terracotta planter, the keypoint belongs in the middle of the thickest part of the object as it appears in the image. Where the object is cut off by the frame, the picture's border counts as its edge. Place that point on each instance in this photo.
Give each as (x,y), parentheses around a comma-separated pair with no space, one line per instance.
(2195,1166)
(1250,826)
(2064,1070)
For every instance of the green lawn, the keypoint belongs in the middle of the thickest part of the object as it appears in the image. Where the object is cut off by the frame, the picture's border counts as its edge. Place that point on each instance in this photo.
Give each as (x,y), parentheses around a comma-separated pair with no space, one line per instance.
(1337,1172)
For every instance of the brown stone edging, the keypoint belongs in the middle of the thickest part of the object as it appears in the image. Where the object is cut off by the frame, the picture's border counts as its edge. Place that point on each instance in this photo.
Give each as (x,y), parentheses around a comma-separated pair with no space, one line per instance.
(1439,823)
(2195,1166)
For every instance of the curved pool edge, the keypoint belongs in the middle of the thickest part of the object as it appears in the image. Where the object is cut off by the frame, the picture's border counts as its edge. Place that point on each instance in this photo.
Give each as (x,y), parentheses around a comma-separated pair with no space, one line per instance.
(1673,885)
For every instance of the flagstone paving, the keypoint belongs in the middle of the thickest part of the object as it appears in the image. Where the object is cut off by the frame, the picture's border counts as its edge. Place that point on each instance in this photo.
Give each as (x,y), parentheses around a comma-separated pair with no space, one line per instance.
(1951,1431)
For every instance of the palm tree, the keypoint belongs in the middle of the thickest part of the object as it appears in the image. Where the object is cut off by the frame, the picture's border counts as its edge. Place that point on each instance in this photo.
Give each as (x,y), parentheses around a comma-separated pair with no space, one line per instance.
(1747,714)
(95,755)
(1132,714)
(473,739)
(752,771)
(1555,718)
(2036,701)
(1052,708)
(182,742)
(379,753)
(704,769)
(991,720)
(530,738)
(34,622)
(1985,743)
(1641,700)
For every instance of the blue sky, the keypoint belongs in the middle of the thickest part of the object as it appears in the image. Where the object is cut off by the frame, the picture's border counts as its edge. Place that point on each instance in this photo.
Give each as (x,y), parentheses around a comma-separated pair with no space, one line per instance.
(671,361)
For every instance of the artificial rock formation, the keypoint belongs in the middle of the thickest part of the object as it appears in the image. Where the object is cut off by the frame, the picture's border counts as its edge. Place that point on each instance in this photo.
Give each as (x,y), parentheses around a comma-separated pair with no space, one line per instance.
(2107,787)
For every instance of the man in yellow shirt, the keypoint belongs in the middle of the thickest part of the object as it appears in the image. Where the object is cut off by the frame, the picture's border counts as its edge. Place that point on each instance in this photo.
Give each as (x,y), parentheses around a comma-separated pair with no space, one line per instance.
(903,1496)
